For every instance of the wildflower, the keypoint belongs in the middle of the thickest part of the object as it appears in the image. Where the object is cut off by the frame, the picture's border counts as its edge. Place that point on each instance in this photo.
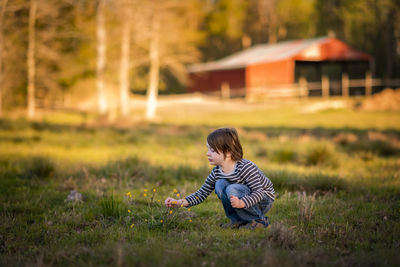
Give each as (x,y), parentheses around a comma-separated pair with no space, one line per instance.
(174,202)
(145,190)
(145,195)
(190,220)
(132,225)
(178,195)
(161,221)
(129,194)
(129,211)
(158,201)
(170,212)
(175,191)
(154,190)
(189,209)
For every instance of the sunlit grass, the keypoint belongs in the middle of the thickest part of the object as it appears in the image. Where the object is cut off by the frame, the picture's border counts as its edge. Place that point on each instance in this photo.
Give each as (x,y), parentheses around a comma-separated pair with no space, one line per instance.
(291,116)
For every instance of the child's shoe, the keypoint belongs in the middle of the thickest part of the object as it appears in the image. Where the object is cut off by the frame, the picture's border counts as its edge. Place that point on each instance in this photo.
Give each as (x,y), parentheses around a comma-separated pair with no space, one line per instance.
(256,224)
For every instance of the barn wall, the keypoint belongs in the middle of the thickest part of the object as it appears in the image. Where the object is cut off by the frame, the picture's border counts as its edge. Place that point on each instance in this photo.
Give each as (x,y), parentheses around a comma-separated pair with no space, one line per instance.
(270,74)
(212,80)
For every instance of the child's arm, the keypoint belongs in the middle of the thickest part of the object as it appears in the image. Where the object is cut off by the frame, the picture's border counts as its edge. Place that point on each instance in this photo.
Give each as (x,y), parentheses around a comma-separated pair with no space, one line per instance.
(171,202)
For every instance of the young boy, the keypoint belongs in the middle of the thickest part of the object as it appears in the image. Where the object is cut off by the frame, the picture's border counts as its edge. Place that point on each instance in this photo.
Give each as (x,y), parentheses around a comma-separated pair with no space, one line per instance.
(246,193)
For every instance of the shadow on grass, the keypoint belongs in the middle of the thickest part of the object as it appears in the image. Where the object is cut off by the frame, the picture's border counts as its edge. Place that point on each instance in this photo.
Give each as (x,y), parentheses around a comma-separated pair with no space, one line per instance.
(384,143)
(271,131)
(134,172)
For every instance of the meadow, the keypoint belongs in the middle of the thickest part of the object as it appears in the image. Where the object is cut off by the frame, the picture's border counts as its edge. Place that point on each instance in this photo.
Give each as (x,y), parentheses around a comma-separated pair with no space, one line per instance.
(336,173)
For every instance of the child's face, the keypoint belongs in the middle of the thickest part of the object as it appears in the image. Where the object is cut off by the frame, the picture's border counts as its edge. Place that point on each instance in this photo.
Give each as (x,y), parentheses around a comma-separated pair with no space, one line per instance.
(214,157)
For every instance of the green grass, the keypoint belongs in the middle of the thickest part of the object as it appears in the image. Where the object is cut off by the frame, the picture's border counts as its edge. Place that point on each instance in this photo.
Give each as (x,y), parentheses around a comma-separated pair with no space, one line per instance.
(336,173)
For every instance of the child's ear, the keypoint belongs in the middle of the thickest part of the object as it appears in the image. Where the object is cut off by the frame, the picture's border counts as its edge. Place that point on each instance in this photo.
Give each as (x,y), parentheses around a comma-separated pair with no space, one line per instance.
(228,155)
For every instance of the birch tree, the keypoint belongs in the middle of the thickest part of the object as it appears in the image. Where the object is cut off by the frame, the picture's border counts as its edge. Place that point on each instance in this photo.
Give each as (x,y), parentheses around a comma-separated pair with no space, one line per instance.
(125,60)
(152,90)
(31,59)
(101,58)
(173,36)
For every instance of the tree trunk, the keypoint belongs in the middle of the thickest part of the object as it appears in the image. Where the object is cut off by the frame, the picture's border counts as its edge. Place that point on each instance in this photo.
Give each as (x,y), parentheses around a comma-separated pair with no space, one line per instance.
(2,11)
(124,63)
(31,59)
(101,58)
(152,90)
(390,44)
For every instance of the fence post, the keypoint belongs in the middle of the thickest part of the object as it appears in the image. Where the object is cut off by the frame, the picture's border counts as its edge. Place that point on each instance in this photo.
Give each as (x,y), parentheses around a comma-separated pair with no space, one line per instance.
(303,86)
(368,84)
(325,86)
(225,90)
(345,85)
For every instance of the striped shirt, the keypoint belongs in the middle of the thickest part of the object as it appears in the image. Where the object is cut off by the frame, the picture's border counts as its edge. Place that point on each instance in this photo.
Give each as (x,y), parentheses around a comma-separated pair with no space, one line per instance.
(246,173)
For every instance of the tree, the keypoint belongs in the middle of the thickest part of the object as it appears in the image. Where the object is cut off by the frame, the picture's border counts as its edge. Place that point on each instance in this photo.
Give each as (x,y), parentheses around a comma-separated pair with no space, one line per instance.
(31,59)
(2,11)
(152,90)
(223,28)
(368,25)
(125,54)
(101,58)
(171,42)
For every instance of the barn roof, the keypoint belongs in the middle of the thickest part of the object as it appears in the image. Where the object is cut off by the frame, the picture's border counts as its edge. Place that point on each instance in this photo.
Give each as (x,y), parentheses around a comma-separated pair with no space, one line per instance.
(265,53)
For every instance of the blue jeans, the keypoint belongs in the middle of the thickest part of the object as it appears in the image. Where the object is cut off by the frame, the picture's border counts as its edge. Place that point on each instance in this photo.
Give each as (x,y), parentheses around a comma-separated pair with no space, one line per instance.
(224,190)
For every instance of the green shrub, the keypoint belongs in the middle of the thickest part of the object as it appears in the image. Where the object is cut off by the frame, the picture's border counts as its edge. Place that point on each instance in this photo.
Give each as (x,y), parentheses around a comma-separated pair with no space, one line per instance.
(38,167)
(310,183)
(261,152)
(378,147)
(111,207)
(283,156)
(318,155)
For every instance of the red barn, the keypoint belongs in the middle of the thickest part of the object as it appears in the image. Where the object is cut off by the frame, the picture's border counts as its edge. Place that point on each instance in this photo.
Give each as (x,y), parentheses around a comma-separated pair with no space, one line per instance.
(269,65)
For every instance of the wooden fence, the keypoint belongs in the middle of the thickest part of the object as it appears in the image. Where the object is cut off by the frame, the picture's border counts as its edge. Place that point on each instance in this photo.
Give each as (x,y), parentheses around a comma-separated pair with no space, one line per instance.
(325,88)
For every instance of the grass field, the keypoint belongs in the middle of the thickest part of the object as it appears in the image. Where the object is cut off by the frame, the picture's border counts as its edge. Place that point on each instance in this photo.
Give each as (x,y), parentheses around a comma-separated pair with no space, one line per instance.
(336,173)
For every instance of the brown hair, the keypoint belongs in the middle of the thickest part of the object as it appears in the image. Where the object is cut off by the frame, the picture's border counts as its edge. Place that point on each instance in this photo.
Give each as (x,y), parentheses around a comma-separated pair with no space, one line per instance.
(225,140)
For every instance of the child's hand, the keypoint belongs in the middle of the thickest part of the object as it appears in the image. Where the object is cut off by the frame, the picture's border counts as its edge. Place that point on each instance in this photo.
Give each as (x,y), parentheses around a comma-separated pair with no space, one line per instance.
(237,203)
(171,202)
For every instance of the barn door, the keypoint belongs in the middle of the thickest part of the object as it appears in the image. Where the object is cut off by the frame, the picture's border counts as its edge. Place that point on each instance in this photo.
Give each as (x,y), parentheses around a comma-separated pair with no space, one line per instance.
(333,71)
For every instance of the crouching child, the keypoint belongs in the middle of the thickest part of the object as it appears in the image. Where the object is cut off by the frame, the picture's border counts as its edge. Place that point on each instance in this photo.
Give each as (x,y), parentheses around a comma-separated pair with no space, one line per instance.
(245,192)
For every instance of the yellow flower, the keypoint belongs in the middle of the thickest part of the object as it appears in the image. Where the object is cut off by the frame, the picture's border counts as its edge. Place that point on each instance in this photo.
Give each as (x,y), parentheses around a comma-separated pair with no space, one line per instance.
(129,194)
(158,201)
(178,195)
(145,190)
(129,211)
(174,202)
(132,225)
(170,212)
(145,195)
(175,190)
(161,221)
(190,220)
(154,190)
(189,209)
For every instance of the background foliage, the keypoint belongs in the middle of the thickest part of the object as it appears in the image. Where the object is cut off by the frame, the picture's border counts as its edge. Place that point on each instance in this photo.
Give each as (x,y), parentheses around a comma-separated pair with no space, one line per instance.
(192,31)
